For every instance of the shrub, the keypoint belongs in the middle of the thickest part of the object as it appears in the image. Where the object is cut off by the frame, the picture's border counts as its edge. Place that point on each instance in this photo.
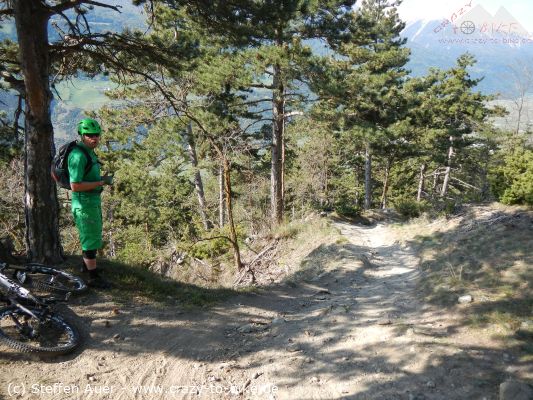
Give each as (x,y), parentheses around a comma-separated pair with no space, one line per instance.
(210,248)
(408,208)
(347,210)
(287,230)
(512,181)
(11,201)
(218,246)
(134,246)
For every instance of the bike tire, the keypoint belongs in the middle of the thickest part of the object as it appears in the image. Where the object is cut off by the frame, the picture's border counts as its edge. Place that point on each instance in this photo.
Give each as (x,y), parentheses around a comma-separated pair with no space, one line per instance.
(56,336)
(50,279)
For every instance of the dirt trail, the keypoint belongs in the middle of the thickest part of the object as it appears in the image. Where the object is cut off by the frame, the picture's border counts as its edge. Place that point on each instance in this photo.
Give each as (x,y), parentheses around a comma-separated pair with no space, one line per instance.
(354,330)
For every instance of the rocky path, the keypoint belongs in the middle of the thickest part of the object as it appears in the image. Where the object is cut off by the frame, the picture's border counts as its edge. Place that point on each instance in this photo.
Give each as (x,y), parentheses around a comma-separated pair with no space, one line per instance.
(353,329)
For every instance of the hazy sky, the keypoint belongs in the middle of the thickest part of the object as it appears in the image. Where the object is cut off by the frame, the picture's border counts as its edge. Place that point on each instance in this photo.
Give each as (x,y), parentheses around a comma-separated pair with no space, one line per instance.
(411,10)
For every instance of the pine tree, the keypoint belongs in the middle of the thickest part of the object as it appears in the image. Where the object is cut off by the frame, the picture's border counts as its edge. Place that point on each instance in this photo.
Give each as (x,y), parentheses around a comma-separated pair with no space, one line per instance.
(272,36)
(365,81)
(453,115)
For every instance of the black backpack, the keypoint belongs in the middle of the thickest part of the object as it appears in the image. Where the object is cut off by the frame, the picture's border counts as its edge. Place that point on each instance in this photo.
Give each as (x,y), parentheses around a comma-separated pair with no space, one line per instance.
(60,164)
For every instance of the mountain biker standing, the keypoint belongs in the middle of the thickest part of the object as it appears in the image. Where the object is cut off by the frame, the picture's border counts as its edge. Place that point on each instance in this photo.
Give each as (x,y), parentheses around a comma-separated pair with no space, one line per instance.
(86,188)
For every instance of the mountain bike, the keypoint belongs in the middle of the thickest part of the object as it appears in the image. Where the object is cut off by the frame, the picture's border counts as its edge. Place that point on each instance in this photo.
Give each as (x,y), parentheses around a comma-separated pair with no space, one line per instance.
(44,277)
(29,324)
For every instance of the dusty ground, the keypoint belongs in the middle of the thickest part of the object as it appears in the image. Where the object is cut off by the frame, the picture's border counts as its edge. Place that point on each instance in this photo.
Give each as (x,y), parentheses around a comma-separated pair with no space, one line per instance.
(354,330)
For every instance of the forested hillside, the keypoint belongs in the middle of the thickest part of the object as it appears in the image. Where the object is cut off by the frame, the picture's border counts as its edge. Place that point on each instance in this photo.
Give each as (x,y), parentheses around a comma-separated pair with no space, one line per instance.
(223,124)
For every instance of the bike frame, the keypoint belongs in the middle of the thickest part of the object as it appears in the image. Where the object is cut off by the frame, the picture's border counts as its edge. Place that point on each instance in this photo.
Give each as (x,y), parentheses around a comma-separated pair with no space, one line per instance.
(14,291)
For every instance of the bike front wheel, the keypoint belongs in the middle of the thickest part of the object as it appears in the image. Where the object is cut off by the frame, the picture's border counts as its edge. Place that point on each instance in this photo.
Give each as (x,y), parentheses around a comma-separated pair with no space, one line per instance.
(44,277)
(49,333)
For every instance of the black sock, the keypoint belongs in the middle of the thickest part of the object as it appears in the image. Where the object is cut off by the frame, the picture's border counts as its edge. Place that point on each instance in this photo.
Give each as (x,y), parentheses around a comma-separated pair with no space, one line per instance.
(93,273)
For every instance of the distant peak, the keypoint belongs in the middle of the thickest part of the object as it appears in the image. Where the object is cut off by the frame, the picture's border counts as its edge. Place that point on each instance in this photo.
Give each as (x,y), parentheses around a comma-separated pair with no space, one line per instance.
(503,11)
(478,13)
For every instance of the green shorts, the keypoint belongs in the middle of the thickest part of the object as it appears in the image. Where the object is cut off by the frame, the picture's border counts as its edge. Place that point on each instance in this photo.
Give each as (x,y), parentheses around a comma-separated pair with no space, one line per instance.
(89,223)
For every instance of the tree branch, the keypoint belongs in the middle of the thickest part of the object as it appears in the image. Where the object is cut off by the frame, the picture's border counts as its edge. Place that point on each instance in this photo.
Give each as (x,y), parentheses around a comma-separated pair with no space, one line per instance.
(16,84)
(292,113)
(465,184)
(74,3)
(262,86)
(6,11)
(245,129)
(247,103)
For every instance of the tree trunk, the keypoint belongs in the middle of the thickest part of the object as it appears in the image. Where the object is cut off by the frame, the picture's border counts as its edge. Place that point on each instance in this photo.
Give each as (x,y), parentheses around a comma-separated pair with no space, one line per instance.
(276,175)
(357,194)
(436,176)
(198,184)
(444,189)
(282,172)
(233,233)
(221,199)
(368,177)
(40,199)
(421,183)
(485,184)
(519,108)
(385,185)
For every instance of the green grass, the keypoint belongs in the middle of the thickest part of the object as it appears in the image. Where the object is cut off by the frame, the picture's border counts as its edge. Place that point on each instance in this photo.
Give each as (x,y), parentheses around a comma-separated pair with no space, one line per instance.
(342,240)
(287,230)
(492,262)
(87,94)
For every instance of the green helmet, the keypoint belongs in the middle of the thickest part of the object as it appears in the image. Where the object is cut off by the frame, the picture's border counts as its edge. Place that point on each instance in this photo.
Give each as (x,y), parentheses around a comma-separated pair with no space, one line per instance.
(89,126)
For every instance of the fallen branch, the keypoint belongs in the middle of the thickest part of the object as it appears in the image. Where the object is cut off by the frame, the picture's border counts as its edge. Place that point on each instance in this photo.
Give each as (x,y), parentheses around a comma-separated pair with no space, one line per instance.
(491,220)
(245,271)
(465,184)
(261,253)
(248,268)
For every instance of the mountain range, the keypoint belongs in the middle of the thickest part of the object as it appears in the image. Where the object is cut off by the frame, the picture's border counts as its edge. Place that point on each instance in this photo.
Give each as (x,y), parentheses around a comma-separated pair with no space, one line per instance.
(502,46)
